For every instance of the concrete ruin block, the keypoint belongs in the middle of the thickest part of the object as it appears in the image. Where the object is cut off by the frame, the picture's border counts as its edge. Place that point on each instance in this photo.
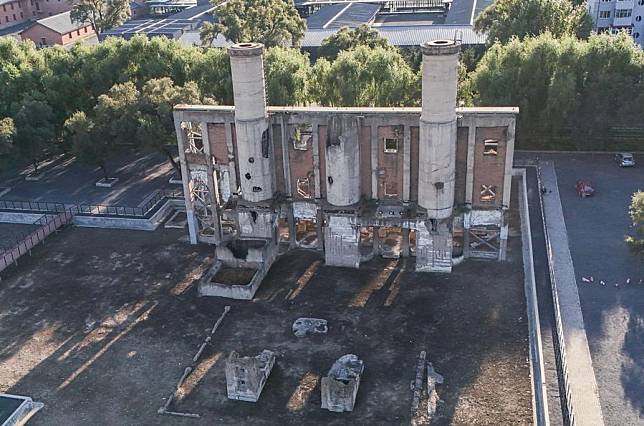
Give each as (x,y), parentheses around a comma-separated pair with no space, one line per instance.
(433,248)
(342,241)
(340,387)
(433,379)
(246,376)
(303,326)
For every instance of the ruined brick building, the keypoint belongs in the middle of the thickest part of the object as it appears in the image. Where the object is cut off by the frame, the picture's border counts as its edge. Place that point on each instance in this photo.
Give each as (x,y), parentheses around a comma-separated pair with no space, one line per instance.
(430,182)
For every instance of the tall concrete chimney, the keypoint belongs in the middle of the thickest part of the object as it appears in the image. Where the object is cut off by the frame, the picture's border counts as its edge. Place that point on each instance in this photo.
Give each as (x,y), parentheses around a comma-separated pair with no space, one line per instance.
(437,147)
(251,121)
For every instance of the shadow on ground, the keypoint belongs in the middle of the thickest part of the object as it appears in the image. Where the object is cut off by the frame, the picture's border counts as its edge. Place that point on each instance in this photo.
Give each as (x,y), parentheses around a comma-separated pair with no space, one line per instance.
(99,325)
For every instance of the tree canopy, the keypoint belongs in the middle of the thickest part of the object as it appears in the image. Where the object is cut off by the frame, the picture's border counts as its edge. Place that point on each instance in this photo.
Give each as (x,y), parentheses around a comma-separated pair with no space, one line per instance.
(636,212)
(504,19)
(7,133)
(347,39)
(564,86)
(102,14)
(271,22)
(366,77)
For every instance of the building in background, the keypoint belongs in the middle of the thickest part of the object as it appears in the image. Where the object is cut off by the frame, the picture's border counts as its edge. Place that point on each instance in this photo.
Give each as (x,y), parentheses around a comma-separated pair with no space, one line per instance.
(59,30)
(430,182)
(619,15)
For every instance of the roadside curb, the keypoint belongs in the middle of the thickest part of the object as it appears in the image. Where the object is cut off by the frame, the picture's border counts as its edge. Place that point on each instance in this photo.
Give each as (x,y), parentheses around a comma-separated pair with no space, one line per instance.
(578,376)
(539,400)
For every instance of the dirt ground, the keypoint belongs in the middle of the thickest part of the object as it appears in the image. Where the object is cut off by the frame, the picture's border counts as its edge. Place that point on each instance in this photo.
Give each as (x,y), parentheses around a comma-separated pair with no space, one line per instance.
(100,324)
(10,233)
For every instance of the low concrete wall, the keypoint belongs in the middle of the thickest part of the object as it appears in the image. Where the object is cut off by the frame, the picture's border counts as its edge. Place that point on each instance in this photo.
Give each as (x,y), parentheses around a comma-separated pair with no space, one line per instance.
(581,391)
(24,218)
(137,224)
(539,399)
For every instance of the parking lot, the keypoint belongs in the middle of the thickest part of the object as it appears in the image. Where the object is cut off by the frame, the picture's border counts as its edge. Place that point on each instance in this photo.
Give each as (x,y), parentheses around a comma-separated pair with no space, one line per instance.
(613,311)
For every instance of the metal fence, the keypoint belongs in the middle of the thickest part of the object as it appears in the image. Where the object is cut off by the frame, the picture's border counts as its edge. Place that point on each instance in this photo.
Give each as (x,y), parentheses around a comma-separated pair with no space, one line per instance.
(93,209)
(560,348)
(47,224)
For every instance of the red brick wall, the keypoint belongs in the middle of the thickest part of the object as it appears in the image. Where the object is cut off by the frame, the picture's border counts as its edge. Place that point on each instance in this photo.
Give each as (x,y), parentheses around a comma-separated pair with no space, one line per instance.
(278,158)
(10,13)
(301,165)
(365,161)
(322,136)
(37,33)
(390,163)
(217,141)
(461,165)
(413,166)
(489,170)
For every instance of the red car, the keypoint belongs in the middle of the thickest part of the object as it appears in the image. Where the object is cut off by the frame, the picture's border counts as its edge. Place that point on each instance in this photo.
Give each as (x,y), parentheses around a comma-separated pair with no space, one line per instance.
(584,188)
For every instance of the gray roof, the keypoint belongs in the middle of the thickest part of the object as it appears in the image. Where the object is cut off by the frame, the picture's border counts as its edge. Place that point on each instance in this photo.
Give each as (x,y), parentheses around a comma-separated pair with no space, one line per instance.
(343,15)
(61,23)
(170,28)
(464,12)
(407,35)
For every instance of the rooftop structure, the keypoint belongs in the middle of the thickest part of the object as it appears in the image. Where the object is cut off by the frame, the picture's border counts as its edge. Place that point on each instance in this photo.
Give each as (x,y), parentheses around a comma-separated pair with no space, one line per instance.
(171,28)
(343,15)
(430,182)
(59,30)
(614,16)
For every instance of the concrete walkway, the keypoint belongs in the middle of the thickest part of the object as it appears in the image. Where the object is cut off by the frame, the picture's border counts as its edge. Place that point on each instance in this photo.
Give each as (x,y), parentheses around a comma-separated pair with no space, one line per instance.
(583,394)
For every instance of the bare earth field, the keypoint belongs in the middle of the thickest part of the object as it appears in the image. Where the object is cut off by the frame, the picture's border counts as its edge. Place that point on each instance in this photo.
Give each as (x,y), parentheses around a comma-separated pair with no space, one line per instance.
(12,232)
(100,324)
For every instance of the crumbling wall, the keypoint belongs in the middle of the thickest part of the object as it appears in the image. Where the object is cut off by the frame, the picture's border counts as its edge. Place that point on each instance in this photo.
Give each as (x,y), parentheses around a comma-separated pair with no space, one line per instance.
(343,161)
(246,376)
(342,241)
(433,247)
(340,387)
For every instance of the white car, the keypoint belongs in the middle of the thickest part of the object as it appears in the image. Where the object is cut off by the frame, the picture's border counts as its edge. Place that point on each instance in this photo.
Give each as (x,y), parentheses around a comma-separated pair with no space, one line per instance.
(625,159)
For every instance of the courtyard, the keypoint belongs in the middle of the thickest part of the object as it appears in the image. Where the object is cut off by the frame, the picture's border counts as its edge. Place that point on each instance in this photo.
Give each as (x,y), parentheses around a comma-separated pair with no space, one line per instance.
(99,325)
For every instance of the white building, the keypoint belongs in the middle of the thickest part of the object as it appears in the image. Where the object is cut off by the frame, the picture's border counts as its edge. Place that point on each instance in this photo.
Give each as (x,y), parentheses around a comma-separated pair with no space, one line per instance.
(619,15)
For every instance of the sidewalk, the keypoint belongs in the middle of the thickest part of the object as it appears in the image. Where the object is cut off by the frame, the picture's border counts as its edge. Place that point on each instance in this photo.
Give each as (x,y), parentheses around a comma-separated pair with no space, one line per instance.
(583,394)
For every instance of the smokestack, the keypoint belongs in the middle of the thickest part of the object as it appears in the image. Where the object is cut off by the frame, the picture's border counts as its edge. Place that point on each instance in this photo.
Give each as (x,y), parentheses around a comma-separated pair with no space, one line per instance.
(251,121)
(437,147)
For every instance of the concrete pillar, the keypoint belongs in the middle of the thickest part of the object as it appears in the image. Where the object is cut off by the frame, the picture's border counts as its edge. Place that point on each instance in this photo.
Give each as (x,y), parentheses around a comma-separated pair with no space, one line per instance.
(292,242)
(251,122)
(343,161)
(376,240)
(193,229)
(469,177)
(437,145)
(406,162)
(374,160)
(404,244)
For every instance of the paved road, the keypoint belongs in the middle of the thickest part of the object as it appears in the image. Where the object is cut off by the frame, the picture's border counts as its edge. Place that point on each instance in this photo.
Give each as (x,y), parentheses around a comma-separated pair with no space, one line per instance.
(614,316)
(68,181)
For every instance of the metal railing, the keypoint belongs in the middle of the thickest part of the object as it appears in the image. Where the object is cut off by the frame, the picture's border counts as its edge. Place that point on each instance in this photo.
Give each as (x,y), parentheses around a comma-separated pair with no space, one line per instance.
(559,344)
(93,209)
(47,224)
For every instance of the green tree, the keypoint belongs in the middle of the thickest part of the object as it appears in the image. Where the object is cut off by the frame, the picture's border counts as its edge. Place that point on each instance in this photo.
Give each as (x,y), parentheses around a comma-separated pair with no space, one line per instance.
(347,39)
(102,14)
(7,133)
(504,19)
(288,75)
(565,87)
(272,22)
(636,212)
(20,68)
(34,135)
(115,113)
(89,144)
(155,124)
(211,71)
(366,77)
